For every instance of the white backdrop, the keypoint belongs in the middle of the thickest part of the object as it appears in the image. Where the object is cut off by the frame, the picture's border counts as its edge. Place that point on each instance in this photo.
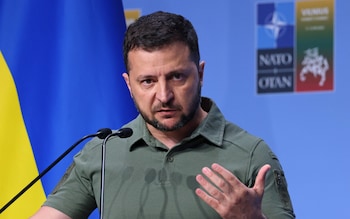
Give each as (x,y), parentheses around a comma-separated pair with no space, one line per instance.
(308,131)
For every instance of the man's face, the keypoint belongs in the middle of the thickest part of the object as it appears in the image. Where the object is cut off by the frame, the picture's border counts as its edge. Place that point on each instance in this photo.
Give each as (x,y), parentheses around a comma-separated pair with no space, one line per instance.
(165,85)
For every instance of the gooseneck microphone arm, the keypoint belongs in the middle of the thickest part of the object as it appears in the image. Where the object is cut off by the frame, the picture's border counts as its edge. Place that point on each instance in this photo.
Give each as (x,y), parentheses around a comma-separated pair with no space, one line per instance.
(102,133)
(121,133)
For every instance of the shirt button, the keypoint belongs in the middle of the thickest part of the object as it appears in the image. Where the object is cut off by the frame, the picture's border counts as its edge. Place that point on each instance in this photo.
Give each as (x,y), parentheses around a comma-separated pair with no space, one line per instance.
(170,159)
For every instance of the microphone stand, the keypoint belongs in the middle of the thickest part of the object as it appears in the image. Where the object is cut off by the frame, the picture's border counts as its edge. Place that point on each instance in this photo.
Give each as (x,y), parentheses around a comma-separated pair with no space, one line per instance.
(121,133)
(103,164)
(100,132)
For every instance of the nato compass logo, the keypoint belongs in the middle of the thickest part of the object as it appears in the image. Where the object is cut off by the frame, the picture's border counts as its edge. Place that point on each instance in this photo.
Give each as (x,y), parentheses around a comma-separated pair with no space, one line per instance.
(275,47)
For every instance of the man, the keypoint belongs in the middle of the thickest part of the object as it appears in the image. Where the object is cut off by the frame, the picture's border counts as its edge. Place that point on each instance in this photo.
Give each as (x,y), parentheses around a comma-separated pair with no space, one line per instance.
(184,159)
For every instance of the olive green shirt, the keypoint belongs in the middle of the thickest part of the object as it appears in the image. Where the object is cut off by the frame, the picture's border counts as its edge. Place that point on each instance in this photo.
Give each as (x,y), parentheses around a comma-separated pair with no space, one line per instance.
(144,179)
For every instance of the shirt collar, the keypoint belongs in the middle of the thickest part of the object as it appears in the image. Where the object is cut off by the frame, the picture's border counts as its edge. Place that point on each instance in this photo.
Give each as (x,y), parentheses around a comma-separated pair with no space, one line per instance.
(213,126)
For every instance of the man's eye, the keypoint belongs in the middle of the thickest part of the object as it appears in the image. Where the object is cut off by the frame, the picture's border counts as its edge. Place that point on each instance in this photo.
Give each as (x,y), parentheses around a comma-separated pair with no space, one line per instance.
(146,81)
(177,76)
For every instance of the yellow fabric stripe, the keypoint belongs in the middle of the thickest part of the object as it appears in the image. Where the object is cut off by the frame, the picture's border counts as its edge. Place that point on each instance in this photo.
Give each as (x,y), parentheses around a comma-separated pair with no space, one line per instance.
(17,162)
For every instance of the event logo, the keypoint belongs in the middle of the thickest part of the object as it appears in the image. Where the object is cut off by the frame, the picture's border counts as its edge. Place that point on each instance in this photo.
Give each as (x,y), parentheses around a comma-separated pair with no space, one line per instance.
(275,67)
(314,46)
(315,64)
(294,46)
(275,53)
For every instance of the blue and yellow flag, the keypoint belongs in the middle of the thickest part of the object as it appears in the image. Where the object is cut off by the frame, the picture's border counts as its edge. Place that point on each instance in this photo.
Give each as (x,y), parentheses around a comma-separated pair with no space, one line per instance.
(60,79)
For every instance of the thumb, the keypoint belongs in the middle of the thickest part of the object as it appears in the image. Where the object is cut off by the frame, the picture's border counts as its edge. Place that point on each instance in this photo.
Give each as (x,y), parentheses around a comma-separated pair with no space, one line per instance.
(260,180)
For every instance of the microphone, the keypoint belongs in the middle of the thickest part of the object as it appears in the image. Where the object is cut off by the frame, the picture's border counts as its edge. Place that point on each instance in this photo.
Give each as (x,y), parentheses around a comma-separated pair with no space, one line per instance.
(121,133)
(102,133)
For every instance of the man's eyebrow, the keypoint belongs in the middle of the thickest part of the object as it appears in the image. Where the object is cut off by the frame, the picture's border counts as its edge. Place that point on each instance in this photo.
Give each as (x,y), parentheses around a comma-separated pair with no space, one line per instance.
(144,76)
(180,71)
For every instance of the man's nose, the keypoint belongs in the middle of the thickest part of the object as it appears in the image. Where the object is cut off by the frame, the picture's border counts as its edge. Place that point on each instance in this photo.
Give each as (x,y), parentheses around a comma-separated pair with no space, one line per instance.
(164,92)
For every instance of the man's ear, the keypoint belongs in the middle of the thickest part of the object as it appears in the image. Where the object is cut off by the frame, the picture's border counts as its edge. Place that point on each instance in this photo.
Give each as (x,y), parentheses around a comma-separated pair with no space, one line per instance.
(127,81)
(201,71)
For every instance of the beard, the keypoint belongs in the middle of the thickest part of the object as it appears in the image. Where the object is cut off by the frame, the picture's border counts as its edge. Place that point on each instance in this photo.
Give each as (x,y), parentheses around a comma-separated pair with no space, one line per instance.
(184,119)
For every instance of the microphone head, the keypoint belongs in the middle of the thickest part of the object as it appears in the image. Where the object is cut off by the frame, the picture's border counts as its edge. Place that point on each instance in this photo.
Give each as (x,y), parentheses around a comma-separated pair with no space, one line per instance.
(103,133)
(124,132)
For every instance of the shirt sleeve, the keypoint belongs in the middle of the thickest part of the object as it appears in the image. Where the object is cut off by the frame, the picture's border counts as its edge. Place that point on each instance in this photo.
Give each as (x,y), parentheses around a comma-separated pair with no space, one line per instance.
(276,203)
(74,194)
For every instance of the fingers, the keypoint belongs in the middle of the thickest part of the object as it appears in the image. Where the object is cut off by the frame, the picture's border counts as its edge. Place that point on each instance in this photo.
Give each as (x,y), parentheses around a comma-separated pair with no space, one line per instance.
(221,177)
(260,179)
(225,181)
(211,195)
(225,174)
(218,184)
(209,187)
(227,195)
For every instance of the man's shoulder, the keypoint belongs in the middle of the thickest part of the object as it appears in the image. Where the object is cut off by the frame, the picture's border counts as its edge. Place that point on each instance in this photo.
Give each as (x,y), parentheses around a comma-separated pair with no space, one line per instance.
(240,137)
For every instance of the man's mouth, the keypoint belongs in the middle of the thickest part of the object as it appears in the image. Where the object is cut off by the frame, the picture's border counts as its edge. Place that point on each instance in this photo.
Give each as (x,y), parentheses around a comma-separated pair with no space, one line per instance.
(167,112)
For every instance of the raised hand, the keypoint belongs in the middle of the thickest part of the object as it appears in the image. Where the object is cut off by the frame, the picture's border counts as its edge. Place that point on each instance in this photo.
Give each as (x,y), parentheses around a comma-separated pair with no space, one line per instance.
(229,197)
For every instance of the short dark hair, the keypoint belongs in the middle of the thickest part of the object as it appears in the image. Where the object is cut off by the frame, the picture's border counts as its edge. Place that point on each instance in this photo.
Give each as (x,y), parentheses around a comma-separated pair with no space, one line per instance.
(159,29)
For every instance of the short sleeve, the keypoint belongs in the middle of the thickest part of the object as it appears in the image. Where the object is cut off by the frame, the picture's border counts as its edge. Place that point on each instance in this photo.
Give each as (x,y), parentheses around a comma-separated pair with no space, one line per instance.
(74,195)
(276,203)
